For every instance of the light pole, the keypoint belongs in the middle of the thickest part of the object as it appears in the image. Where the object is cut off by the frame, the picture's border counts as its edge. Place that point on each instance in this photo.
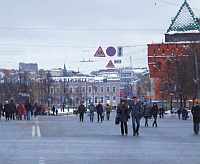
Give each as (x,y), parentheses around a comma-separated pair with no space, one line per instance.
(196,68)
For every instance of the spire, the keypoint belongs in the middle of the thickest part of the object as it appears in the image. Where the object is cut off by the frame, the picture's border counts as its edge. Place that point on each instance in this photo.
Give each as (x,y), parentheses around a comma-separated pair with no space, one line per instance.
(64,67)
(184,21)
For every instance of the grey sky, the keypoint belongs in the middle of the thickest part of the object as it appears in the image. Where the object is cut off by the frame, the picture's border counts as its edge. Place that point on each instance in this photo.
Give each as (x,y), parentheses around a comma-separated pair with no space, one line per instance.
(54,32)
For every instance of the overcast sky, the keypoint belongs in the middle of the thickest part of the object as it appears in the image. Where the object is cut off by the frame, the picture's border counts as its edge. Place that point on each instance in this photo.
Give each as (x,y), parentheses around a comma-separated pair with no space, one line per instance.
(54,32)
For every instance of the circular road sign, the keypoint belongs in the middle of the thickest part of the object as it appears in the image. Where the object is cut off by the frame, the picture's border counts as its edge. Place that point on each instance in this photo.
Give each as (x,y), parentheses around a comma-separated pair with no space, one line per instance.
(110,51)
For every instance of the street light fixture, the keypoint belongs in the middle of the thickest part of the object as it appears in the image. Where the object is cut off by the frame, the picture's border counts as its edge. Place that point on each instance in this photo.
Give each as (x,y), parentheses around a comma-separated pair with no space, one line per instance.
(196,68)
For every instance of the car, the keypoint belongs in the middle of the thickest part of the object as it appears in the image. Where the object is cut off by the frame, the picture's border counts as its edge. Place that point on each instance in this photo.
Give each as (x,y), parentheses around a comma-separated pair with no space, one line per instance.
(174,111)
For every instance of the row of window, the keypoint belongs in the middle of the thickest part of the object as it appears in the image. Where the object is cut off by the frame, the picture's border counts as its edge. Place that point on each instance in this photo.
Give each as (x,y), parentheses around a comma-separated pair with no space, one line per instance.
(83,89)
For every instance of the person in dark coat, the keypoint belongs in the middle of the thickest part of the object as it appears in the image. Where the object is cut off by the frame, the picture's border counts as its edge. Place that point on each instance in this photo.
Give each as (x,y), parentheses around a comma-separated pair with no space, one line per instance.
(179,111)
(123,114)
(13,110)
(99,109)
(81,111)
(184,114)
(162,111)
(154,112)
(28,107)
(53,110)
(146,114)
(136,114)
(196,115)
(7,110)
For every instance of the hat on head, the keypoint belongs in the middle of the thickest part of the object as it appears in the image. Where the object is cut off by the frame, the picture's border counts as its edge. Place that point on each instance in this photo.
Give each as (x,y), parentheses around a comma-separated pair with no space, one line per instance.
(122,100)
(134,97)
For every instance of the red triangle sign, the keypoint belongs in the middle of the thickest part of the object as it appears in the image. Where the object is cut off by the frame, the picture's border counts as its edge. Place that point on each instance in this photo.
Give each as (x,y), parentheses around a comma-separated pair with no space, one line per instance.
(110,64)
(99,53)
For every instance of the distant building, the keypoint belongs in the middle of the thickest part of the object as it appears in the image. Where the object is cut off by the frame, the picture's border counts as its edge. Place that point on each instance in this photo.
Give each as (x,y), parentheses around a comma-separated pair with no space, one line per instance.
(32,67)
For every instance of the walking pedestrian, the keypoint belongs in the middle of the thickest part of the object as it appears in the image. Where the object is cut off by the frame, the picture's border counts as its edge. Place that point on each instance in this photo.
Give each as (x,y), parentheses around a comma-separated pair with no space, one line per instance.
(20,110)
(7,110)
(92,110)
(28,107)
(53,110)
(184,114)
(123,114)
(162,111)
(13,110)
(179,111)
(146,114)
(196,115)
(99,109)
(108,110)
(81,111)
(136,114)
(154,112)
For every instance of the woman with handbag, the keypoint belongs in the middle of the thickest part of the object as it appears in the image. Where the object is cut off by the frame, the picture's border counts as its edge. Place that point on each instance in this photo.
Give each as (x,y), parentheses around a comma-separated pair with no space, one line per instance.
(123,114)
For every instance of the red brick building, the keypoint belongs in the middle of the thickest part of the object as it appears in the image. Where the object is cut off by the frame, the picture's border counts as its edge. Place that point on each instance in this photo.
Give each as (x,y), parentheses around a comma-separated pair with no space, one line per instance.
(184,32)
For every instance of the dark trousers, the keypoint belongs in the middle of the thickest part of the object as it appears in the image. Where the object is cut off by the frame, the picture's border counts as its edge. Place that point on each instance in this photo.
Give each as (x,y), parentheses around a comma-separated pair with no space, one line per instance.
(81,116)
(196,128)
(108,115)
(155,120)
(146,120)
(7,116)
(99,117)
(12,115)
(124,127)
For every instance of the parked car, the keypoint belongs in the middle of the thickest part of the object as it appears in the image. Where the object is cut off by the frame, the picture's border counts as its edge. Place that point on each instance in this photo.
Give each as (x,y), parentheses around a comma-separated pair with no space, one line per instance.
(174,110)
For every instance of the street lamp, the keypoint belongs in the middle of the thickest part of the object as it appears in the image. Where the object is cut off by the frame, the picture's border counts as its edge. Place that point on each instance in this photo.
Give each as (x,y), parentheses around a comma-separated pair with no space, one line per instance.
(196,68)
(161,92)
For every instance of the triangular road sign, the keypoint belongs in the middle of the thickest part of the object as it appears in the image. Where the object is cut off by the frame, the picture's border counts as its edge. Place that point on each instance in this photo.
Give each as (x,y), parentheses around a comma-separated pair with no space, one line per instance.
(99,53)
(110,64)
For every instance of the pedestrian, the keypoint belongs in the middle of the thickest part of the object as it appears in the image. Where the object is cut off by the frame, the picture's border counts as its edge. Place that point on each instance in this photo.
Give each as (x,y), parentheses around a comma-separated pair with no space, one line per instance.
(53,110)
(28,107)
(99,109)
(136,114)
(20,110)
(184,114)
(196,115)
(154,112)
(13,110)
(123,114)
(179,113)
(81,111)
(146,114)
(56,112)
(108,110)
(162,111)
(92,110)
(24,113)
(7,110)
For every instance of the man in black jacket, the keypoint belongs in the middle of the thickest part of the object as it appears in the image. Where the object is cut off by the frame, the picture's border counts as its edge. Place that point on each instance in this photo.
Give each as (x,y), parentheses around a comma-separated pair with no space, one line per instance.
(99,109)
(81,110)
(13,110)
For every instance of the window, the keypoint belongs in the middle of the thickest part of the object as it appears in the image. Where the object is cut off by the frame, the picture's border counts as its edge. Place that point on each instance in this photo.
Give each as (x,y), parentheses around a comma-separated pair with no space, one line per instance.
(108,89)
(95,100)
(70,90)
(101,89)
(101,99)
(83,89)
(52,90)
(89,89)
(114,89)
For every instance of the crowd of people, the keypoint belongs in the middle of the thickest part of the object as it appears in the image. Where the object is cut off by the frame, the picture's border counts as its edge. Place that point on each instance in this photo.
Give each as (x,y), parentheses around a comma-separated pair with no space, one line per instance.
(20,111)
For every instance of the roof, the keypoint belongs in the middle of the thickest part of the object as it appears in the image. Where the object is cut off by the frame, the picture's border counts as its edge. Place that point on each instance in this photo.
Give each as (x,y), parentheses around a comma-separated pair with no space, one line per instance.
(184,21)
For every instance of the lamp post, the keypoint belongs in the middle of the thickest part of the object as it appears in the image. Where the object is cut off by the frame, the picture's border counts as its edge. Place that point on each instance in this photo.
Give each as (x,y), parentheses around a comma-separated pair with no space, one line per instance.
(196,68)
(171,100)
(161,92)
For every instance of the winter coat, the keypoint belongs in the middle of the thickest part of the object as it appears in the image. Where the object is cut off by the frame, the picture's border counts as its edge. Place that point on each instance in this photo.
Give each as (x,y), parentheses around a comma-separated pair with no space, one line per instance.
(92,109)
(20,109)
(136,109)
(81,109)
(196,113)
(108,108)
(154,110)
(7,108)
(13,106)
(28,106)
(123,112)
(99,109)
(146,111)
